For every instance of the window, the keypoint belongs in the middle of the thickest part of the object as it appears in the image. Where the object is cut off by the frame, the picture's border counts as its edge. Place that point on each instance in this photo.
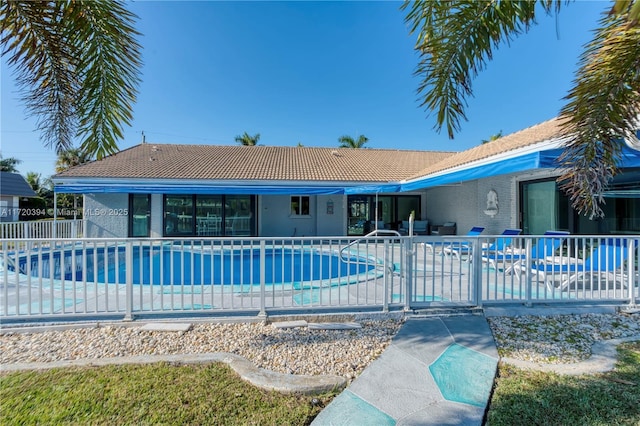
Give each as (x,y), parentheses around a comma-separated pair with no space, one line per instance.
(178,215)
(139,218)
(209,215)
(363,211)
(300,205)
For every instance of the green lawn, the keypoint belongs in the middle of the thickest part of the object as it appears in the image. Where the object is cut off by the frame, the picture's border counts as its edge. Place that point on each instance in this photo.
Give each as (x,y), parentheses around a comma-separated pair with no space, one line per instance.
(148,395)
(535,398)
(213,394)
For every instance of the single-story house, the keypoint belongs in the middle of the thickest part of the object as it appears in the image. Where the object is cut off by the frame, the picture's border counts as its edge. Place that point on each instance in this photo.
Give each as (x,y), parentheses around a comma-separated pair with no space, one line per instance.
(203,190)
(12,187)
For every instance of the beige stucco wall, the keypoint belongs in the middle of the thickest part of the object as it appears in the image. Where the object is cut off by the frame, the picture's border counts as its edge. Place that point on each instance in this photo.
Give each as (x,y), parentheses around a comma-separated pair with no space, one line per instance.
(275,218)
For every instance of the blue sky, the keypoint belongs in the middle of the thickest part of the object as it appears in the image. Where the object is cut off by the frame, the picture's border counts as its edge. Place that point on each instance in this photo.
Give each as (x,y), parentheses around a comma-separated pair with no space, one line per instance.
(310,72)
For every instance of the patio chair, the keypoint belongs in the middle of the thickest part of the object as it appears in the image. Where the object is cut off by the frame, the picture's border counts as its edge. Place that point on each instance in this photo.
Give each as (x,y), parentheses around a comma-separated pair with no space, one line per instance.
(500,244)
(543,248)
(421,227)
(380,224)
(449,228)
(476,230)
(403,229)
(604,263)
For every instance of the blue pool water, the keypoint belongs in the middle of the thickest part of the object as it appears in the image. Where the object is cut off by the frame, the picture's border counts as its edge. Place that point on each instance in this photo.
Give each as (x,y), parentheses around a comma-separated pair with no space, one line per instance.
(162,265)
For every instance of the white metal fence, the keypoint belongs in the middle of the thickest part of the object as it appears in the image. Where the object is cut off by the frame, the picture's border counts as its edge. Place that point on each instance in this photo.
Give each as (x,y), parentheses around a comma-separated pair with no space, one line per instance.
(41,229)
(126,278)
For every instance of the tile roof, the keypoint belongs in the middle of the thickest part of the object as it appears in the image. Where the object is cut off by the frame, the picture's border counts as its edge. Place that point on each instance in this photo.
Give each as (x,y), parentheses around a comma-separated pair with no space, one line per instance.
(544,131)
(279,163)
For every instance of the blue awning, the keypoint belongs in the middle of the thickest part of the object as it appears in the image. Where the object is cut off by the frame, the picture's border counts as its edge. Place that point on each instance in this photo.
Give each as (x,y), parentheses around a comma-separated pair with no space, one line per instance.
(373,189)
(512,165)
(548,159)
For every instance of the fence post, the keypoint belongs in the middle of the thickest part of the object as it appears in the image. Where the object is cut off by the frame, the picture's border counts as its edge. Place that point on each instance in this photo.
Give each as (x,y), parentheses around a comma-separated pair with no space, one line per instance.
(631,270)
(476,262)
(408,272)
(528,281)
(128,254)
(263,297)
(386,278)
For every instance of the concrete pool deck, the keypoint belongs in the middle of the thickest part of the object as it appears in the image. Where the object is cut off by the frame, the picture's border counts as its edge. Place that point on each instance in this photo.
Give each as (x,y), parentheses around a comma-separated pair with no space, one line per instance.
(437,370)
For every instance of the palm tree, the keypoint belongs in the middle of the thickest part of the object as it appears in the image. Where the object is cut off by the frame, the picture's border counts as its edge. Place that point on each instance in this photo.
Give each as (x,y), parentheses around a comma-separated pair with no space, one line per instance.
(248,140)
(493,137)
(42,187)
(9,164)
(77,65)
(457,37)
(35,182)
(70,158)
(347,141)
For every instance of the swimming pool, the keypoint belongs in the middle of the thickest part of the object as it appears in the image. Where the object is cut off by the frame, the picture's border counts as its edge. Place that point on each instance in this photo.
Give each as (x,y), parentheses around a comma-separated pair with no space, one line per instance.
(195,265)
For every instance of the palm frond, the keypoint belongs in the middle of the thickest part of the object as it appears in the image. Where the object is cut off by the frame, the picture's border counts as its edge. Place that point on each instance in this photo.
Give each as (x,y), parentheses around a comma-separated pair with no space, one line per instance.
(455,40)
(77,66)
(44,62)
(109,60)
(602,107)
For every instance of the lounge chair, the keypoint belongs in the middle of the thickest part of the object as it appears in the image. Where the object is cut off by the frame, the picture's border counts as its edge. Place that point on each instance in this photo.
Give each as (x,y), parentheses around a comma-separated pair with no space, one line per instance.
(499,245)
(544,247)
(476,230)
(603,263)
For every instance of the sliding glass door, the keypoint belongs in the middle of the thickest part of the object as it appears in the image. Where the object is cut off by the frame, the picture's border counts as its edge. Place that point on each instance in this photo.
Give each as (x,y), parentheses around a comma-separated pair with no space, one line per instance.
(139,215)
(213,215)
(544,207)
(388,210)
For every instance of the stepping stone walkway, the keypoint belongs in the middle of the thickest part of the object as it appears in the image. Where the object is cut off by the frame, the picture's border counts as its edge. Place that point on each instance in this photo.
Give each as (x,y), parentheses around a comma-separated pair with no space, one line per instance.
(317,325)
(166,326)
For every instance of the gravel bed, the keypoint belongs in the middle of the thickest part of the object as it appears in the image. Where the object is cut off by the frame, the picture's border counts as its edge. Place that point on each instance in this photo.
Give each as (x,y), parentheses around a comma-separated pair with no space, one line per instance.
(546,339)
(559,339)
(294,351)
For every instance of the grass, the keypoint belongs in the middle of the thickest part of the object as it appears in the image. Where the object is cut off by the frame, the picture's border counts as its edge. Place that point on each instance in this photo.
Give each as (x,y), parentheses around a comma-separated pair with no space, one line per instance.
(167,394)
(536,398)
(148,394)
